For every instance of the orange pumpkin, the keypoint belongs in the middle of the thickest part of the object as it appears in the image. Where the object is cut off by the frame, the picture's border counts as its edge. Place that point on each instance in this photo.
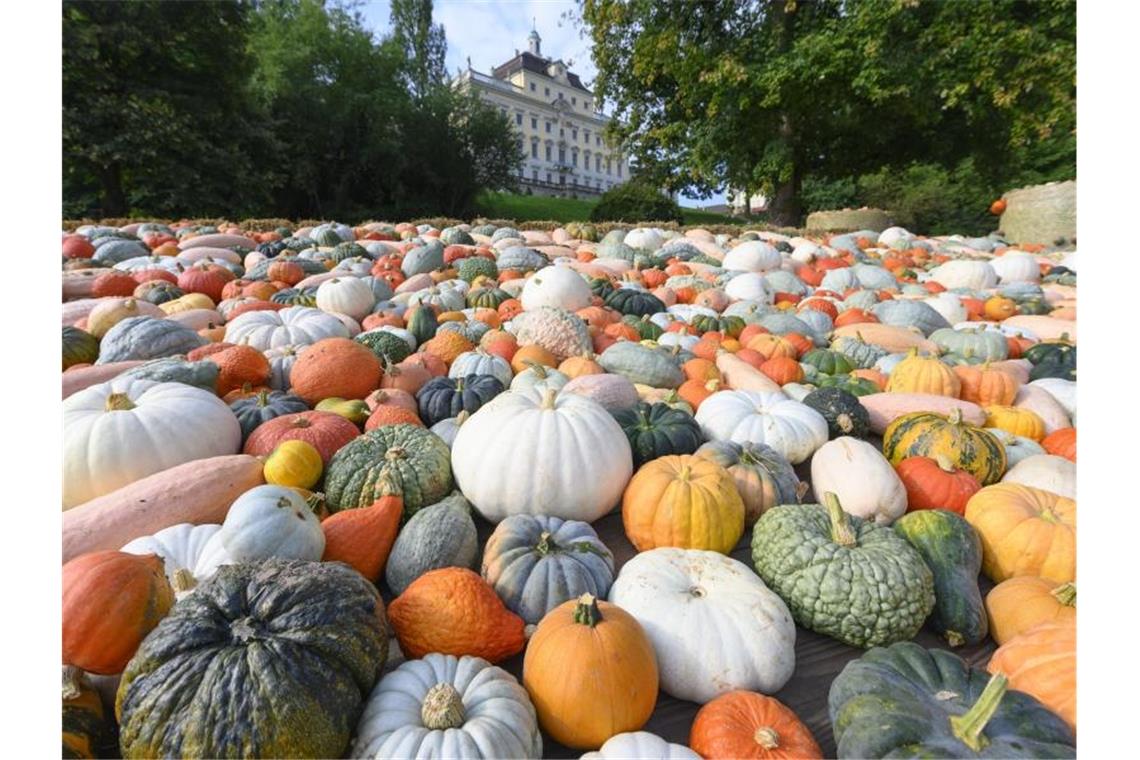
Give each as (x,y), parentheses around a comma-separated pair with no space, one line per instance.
(363,538)
(1025,531)
(694,392)
(874,375)
(998,308)
(744,724)
(111,601)
(783,370)
(1042,662)
(335,368)
(239,365)
(768,346)
(854,317)
(452,610)
(429,361)
(700,369)
(935,483)
(532,353)
(591,673)
(500,343)
(1017,604)
(391,414)
(622,331)
(985,387)
(113,283)
(1062,442)
(577,366)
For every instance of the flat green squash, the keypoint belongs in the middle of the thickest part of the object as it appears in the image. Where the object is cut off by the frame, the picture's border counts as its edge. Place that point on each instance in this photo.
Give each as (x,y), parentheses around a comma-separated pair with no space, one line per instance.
(641,364)
(656,430)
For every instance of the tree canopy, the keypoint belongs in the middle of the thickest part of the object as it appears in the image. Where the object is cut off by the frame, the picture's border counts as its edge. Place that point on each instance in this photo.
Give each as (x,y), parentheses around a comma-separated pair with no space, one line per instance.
(762,94)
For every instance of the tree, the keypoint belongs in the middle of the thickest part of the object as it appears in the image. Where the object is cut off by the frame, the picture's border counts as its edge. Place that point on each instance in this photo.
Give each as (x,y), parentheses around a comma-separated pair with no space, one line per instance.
(423,43)
(760,94)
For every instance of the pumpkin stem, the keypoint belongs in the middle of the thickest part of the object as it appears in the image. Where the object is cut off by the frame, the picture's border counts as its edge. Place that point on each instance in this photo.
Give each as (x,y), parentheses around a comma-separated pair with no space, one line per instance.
(767,737)
(944,463)
(462,417)
(844,422)
(548,395)
(119,402)
(587,612)
(841,532)
(301,422)
(955,416)
(545,545)
(685,473)
(72,677)
(955,639)
(969,726)
(318,504)
(263,398)
(1066,594)
(443,708)
(184,580)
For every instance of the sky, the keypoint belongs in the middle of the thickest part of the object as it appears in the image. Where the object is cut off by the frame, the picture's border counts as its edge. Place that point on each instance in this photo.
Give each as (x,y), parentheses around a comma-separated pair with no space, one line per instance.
(489,31)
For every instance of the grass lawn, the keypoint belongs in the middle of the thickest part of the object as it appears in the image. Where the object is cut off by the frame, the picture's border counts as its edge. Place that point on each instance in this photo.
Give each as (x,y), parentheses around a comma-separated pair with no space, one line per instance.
(524,208)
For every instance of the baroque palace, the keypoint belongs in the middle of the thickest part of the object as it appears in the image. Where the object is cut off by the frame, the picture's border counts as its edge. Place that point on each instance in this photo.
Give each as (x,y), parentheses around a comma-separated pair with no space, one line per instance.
(560,128)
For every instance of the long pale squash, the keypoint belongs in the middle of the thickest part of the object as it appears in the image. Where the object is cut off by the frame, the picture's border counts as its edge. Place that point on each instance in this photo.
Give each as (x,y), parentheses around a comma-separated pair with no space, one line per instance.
(75,380)
(897,340)
(197,319)
(314,280)
(885,408)
(1045,328)
(739,375)
(73,311)
(1041,402)
(80,283)
(196,492)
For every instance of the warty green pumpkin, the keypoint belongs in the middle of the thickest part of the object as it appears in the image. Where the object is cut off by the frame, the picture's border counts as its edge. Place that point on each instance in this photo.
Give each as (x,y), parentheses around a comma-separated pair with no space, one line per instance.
(843,412)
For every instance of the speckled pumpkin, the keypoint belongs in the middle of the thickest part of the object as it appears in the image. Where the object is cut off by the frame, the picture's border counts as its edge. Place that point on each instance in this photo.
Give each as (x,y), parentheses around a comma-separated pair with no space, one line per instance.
(86,731)
(927,434)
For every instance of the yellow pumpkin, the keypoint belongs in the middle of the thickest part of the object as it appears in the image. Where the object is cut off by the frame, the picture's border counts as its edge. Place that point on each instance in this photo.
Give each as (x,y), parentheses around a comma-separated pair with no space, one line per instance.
(1017,604)
(296,464)
(998,308)
(1042,662)
(923,374)
(186,303)
(1015,420)
(1025,531)
(683,501)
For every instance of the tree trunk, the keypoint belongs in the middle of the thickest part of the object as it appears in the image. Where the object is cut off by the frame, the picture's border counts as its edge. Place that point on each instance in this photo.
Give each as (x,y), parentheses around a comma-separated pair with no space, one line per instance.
(785,209)
(114,200)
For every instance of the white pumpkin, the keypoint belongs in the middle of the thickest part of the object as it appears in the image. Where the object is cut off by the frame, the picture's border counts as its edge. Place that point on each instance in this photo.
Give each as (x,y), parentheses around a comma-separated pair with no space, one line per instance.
(1016,266)
(949,305)
(446,299)
(793,429)
(183,549)
(807,252)
(1016,447)
(685,599)
(556,286)
(864,481)
(281,362)
(139,263)
(121,431)
(895,237)
(680,339)
(349,323)
(448,707)
(644,237)
(1047,472)
(295,325)
(539,377)
(527,452)
(640,745)
(963,273)
(750,286)
(448,428)
(266,521)
(346,295)
(480,362)
(752,256)
(1063,391)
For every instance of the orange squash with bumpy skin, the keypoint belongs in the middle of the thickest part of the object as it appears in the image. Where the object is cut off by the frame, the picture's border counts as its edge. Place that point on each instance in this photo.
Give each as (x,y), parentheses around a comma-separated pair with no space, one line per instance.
(744,724)
(363,538)
(335,368)
(454,611)
(1042,662)
(1025,531)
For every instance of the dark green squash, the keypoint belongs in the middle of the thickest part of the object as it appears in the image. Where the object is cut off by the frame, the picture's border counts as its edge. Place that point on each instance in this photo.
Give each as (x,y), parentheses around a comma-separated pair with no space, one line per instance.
(646,329)
(827,361)
(656,430)
(487,298)
(1053,359)
(953,552)
(158,291)
(601,287)
(843,412)
(86,731)
(389,347)
(404,460)
(439,535)
(265,659)
(730,326)
(295,297)
(421,322)
(253,411)
(841,575)
(856,386)
(907,701)
(176,369)
(443,397)
(633,301)
(79,346)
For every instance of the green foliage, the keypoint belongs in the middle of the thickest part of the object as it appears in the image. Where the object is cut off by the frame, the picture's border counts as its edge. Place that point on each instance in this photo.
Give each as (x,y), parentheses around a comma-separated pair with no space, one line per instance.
(423,44)
(635,201)
(927,198)
(822,194)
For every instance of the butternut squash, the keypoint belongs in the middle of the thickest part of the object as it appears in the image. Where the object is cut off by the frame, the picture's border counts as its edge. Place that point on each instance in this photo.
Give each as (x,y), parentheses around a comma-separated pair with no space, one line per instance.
(739,375)
(897,340)
(1045,328)
(196,492)
(80,283)
(76,380)
(885,408)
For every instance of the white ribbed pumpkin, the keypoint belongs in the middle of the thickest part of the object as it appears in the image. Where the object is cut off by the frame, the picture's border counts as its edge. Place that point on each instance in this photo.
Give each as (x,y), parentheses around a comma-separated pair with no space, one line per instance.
(864,481)
(963,273)
(749,286)
(183,547)
(556,286)
(346,295)
(640,745)
(296,325)
(752,256)
(949,305)
(479,362)
(793,429)
(1047,472)
(1016,266)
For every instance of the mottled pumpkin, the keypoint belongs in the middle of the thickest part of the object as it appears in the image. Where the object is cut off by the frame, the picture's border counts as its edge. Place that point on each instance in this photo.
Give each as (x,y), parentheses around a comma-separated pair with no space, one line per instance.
(1025,531)
(86,731)
(763,477)
(929,434)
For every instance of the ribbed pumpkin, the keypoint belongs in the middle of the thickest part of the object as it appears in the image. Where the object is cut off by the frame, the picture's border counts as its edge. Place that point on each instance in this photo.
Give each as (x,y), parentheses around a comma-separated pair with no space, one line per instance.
(454,611)
(363,538)
(783,370)
(111,601)
(576,366)
(744,724)
(919,374)
(1017,421)
(683,501)
(86,731)
(530,354)
(591,672)
(655,430)
(984,386)
(1017,604)
(1025,531)
(935,483)
(327,432)
(1062,443)
(768,346)
(763,477)
(335,367)
(928,434)
(1042,662)
(255,409)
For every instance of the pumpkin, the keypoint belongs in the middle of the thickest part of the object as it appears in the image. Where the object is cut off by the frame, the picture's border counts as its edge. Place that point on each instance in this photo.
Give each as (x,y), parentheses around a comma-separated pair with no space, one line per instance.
(363,538)
(789,427)
(187,554)
(642,364)
(763,477)
(389,347)
(1024,531)
(655,430)
(79,347)
(985,386)
(615,393)
(293,326)
(479,362)
(1062,442)
(247,623)
(917,374)
(827,361)
(908,700)
(744,724)
(557,286)
(295,464)
(347,295)
(560,333)
(111,601)
(843,576)
(453,611)
(1018,604)
(972,343)
(126,429)
(353,410)
(146,338)
(1047,472)
(536,563)
(409,375)
(335,367)
(633,301)
(929,434)
(109,312)
(1052,359)
(591,672)
(86,731)
(842,411)
(1016,421)
(640,744)
(391,460)
(502,462)
(439,535)
(864,481)
(457,707)
(1042,662)
(531,355)
(685,598)
(444,397)
(682,501)
(935,483)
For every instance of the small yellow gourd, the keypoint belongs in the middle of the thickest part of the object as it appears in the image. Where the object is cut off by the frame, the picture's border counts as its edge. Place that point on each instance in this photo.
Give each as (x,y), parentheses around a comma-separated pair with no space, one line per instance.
(296,464)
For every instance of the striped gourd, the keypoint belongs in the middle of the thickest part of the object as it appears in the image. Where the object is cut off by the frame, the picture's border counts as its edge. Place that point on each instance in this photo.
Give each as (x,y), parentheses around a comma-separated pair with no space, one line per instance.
(927,434)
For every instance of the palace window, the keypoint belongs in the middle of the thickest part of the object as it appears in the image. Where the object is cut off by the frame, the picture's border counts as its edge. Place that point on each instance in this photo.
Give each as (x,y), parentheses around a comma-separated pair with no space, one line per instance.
(534,150)
(574,101)
(534,174)
(586,105)
(599,140)
(547,92)
(562,155)
(533,120)
(518,119)
(586,135)
(532,89)
(547,152)
(548,177)
(548,127)
(575,133)
(619,169)
(562,179)
(574,158)
(598,166)
(608,167)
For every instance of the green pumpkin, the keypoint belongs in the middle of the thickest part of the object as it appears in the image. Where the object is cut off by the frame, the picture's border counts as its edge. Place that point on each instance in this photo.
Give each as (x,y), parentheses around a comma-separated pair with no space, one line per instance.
(422,324)
(444,397)
(487,298)
(601,287)
(641,364)
(730,326)
(646,329)
(158,291)
(843,412)
(1053,359)
(295,297)
(387,346)
(254,411)
(856,386)
(392,460)
(79,347)
(174,369)
(842,576)
(582,231)
(827,361)
(439,535)
(1034,306)
(147,338)
(265,659)
(861,354)
(656,430)
(86,731)
(476,266)
(633,301)
(953,552)
(926,434)
(907,701)
(976,344)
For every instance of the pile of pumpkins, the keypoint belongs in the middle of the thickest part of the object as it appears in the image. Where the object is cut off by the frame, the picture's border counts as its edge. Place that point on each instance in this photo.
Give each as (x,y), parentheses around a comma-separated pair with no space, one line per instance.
(267,435)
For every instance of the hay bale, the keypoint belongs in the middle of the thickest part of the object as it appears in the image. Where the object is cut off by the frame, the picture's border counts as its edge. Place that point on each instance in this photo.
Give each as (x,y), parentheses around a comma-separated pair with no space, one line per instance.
(848,220)
(1043,214)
